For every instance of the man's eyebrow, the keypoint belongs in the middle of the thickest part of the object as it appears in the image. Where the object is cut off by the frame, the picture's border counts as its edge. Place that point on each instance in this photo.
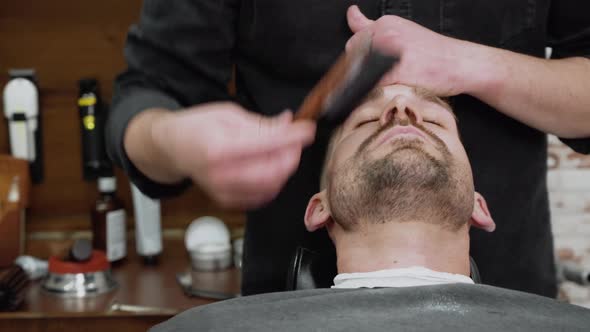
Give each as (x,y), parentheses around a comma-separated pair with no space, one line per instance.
(425,94)
(431,97)
(374,95)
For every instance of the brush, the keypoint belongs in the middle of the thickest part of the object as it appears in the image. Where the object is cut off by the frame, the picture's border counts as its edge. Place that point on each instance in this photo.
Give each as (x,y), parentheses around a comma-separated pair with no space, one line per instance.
(345,85)
(13,286)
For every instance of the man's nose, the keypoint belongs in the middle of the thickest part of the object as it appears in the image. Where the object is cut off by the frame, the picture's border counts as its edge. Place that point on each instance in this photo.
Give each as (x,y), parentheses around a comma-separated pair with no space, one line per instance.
(398,111)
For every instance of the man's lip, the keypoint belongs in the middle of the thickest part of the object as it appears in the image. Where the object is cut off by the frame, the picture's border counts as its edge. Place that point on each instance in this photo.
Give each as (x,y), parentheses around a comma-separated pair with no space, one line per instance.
(399,130)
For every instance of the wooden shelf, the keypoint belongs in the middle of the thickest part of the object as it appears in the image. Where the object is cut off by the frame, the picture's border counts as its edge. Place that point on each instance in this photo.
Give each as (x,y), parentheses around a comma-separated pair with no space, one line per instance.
(139,285)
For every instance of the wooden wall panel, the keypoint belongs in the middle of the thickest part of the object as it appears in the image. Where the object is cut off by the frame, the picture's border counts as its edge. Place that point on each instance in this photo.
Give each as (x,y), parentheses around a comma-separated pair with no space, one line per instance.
(64,41)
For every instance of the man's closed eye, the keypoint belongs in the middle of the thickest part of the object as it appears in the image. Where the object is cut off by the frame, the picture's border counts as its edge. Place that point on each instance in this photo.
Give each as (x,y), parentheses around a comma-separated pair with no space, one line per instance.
(364,122)
(433,122)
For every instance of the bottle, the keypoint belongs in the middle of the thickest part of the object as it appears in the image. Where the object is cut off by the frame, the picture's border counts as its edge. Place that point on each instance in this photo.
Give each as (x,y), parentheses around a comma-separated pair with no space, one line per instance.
(92,111)
(148,227)
(109,223)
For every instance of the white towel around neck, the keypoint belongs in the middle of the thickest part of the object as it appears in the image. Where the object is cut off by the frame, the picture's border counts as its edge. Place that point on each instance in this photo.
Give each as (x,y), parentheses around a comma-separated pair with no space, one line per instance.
(402,277)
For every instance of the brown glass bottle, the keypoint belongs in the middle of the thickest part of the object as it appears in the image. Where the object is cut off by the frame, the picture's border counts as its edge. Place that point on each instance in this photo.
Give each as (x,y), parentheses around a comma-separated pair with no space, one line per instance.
(109,221)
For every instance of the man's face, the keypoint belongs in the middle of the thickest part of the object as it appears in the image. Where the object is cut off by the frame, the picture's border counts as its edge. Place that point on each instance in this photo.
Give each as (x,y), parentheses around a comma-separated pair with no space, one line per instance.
(399,154)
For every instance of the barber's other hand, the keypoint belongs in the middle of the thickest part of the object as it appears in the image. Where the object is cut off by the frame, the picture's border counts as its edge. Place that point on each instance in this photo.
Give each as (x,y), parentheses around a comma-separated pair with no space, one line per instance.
(241,159)
(428,59)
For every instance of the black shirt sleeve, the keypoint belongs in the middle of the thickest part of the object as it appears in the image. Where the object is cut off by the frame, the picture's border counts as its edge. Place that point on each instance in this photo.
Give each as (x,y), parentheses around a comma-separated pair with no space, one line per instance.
(569,35)
(179,54)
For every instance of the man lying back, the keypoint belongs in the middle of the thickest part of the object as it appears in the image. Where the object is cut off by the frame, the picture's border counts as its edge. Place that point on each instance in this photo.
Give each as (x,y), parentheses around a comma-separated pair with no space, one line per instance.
(397,199)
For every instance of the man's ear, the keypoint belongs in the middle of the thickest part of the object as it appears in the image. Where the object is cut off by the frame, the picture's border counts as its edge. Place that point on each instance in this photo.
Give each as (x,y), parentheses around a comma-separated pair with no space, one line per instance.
(318,213)
(481,217)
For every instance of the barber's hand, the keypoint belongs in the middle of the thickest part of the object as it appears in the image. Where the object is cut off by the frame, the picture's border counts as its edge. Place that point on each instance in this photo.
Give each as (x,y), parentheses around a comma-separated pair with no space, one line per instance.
(428,59)
(241,159)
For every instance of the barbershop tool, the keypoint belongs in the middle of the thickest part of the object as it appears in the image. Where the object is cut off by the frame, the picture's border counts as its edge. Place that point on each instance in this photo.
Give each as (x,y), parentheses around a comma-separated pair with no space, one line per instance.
(207,240)
(21,108)
(95,162)
(109,221)
(13,284)
(139,309)
(79,279)
(345,85)
(148,226)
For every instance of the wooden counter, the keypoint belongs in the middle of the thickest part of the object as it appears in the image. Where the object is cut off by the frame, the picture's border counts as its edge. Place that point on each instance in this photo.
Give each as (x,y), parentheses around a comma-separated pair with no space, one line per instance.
(145,286)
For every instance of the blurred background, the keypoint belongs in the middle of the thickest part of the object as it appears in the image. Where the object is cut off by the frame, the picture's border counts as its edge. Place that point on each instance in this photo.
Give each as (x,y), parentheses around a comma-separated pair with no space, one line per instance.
(569,194)
(65,41)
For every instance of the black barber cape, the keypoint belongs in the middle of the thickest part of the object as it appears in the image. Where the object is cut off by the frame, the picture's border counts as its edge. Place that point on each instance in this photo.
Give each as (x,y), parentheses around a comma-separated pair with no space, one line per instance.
(454,307)
(183,52)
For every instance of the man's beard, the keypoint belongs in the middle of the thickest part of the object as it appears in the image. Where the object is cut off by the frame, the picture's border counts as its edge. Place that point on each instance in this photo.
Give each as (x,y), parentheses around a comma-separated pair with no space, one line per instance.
(407,184)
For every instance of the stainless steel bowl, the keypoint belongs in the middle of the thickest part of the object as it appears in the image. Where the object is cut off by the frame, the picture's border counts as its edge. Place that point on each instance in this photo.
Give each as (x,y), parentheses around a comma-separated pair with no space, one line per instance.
(79,285)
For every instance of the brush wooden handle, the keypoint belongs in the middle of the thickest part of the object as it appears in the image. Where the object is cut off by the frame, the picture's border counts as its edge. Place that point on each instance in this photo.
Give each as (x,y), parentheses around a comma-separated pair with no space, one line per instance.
(337,76)
(313,104)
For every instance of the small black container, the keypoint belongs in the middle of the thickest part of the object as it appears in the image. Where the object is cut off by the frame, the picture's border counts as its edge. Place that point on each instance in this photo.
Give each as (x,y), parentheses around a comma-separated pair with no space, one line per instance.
(93,114)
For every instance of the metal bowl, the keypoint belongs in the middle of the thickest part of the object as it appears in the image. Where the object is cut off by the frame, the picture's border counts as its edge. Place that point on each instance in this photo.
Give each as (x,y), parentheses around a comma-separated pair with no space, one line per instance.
(79,285)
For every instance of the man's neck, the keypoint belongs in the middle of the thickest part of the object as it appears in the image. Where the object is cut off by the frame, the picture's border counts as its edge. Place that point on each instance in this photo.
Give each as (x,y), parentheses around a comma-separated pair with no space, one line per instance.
(399,245)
